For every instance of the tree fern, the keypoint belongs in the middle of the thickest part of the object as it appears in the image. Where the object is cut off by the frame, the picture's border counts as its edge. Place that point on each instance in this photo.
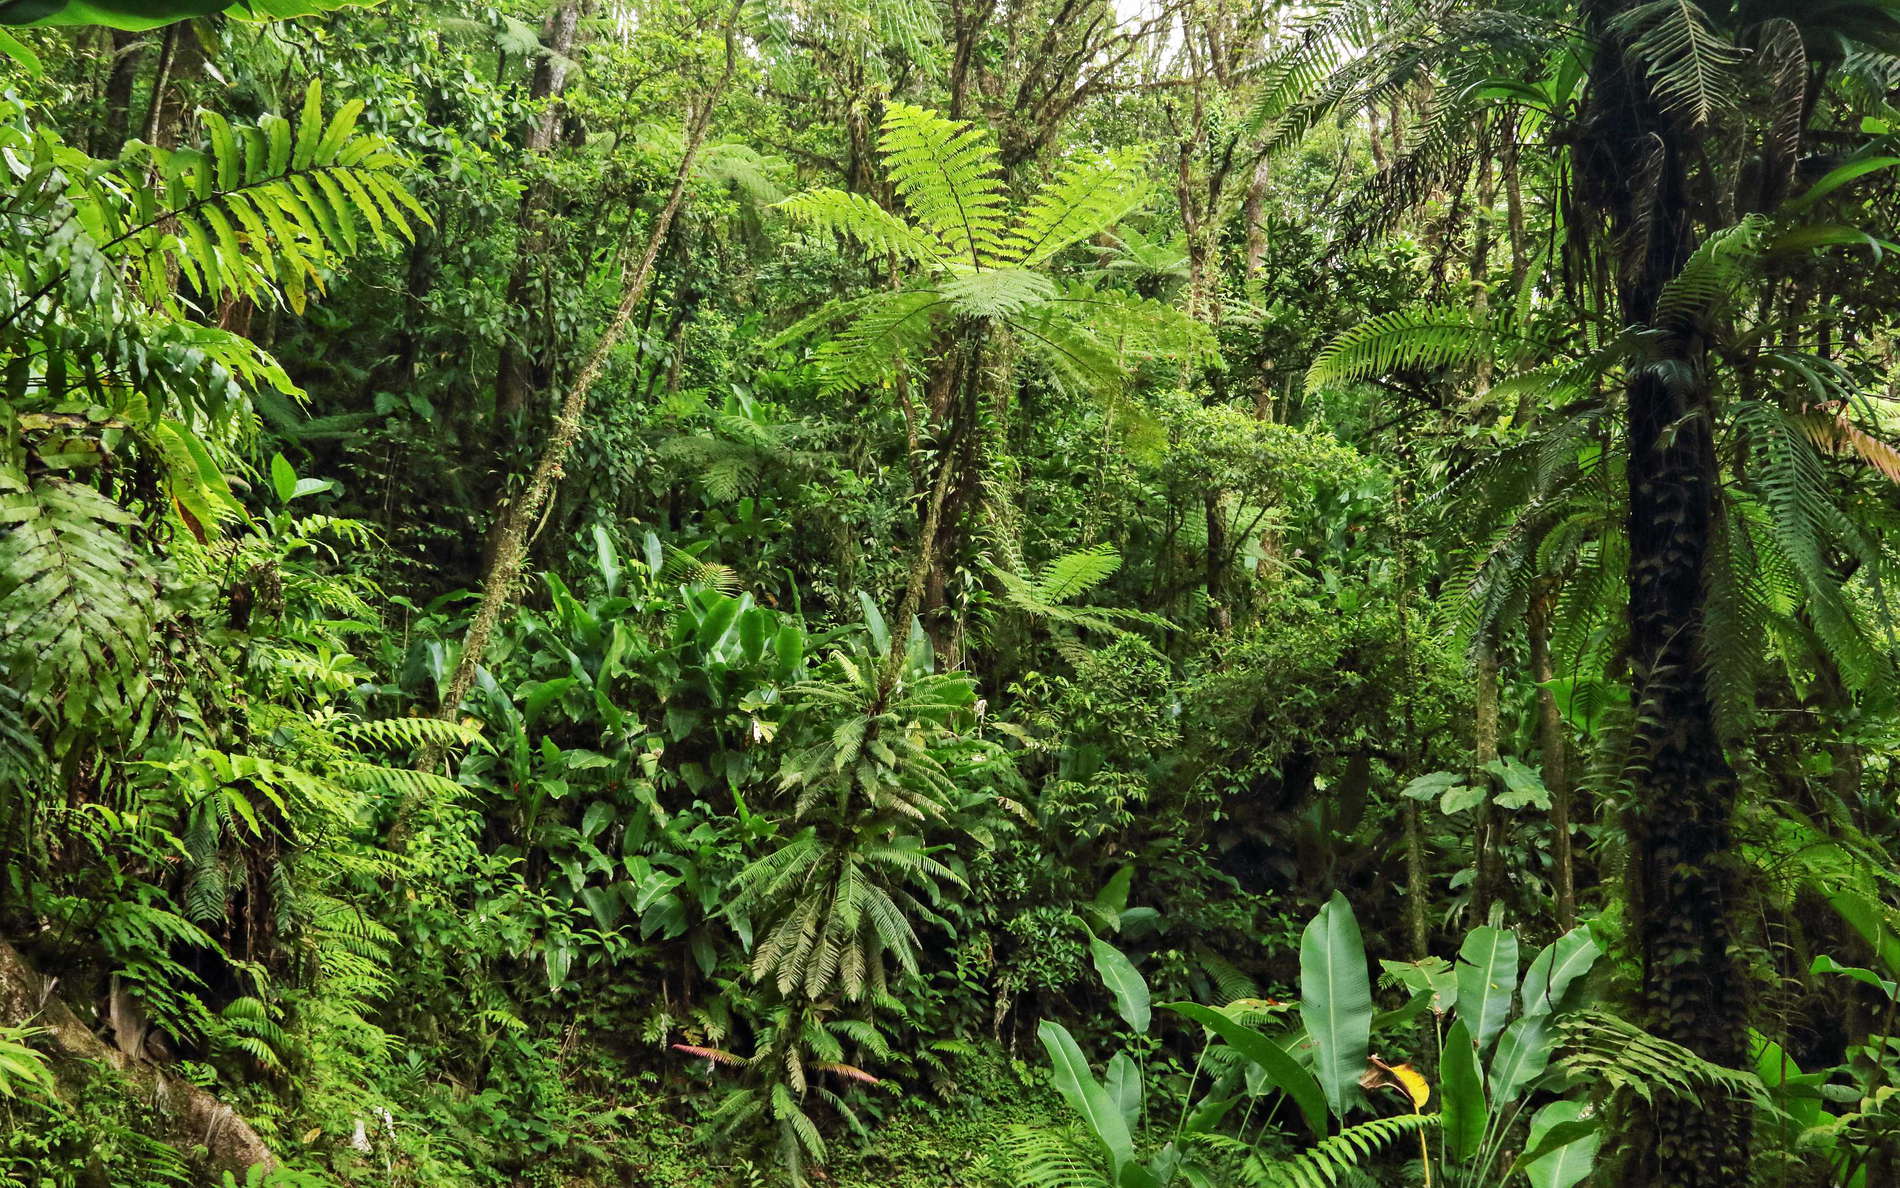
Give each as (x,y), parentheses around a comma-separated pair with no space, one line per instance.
(1084,197)
(973,266)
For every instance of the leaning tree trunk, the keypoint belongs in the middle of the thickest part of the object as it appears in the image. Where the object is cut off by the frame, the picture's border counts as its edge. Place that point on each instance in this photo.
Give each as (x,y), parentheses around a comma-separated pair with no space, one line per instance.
(1634,166)
(518,517)
(188,1116)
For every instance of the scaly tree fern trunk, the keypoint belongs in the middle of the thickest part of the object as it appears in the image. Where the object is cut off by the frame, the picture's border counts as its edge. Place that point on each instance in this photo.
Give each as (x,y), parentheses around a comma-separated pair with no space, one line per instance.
(1634,166)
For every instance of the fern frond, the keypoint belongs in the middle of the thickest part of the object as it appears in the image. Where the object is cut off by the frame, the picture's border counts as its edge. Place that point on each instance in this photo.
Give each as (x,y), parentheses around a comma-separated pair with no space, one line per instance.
(947,173)
(1076,572)
(858,217)
(1084,199)
(1044,1157)
(1607,1050)
(77,601)
(1693,70)
(997,292)
(1404,339)
(1340,1155)
(877,341)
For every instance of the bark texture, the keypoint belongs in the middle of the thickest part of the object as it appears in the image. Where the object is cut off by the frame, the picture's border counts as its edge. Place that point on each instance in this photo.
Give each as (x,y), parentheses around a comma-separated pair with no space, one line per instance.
(196,1117)
(1634,166)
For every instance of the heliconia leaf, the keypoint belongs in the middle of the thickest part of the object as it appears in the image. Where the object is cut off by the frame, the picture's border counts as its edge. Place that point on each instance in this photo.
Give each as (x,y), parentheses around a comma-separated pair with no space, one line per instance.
(1562,1148)
(1336,1001)
(1561,962)
(1085,1095)
(1124,981)
(1487,981)
(1124,1086)
(1464,1105)
(1522,1056)
(1285,1073)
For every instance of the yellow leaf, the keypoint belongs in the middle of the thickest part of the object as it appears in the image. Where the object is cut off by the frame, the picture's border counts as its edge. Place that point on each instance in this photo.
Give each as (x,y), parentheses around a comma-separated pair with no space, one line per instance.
(312,1135)
(1414,1083)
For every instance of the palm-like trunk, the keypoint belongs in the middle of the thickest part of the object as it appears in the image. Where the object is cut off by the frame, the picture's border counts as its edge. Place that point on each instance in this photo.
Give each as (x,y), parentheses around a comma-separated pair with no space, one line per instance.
(1635,167)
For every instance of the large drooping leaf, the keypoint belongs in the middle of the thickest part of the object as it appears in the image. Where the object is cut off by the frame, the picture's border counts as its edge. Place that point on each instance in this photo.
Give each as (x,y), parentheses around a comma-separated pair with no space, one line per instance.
(1336,1001)
(1487,980)
(1464,1109)
(1522,1056)
(1561,962)
(1286,1074)
(1576,1137)
(1078,1086)
(1124,1087)
(1124,981)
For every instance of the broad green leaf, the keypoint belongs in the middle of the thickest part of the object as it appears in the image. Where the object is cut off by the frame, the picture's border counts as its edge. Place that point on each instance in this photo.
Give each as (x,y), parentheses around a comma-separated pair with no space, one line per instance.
(1432,975)
(1522,786)
(1460,797)
(1563,1145)
(1870,920)
(1124,1086)
(1462,1087)
(283,478)
(1561,962)
(1827,964)
(1487,979)
(1124,981)
(1839,176)
(1085,1095)
(21,53)
(1336,1001)
(1432,785)
(874,623)
(1113,897)
(1522,1056)
(607,559)
(1285,1073)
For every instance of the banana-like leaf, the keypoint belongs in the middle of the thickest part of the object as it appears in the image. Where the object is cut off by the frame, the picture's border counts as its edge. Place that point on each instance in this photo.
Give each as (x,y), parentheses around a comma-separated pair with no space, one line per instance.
(1286,1074)
(1462,1084)
(1487,981)
(137,15)
(1124,1085)
(1086,1096)
(1561,962)
(1522,1056)
(1124,981)
(1336,1001)
(1562,1147)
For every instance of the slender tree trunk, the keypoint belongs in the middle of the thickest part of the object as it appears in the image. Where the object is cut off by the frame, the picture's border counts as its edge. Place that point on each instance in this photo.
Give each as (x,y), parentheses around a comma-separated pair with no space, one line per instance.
(519,516)
(1417,924)
(127,49)
(155,110)
(1484,887)
(1554,747)
(516,372)
(1682,878)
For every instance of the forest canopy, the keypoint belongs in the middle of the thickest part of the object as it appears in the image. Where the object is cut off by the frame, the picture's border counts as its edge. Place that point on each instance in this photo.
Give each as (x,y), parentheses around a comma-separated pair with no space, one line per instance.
(1010,593)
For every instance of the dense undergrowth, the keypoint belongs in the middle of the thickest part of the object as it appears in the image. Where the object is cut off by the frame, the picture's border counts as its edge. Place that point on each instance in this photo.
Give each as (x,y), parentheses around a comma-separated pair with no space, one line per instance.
(904,594)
